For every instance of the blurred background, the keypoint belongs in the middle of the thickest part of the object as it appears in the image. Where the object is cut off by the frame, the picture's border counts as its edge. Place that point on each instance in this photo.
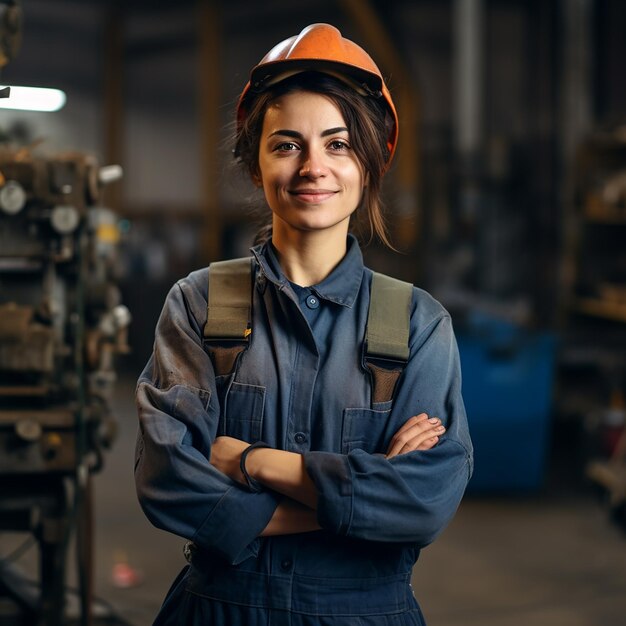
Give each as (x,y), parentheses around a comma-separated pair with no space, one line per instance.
(506,200)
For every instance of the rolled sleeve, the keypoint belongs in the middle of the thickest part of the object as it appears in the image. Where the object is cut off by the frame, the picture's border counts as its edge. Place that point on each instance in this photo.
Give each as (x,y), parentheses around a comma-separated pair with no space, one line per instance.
(332,476)
(371,497)
(236,542)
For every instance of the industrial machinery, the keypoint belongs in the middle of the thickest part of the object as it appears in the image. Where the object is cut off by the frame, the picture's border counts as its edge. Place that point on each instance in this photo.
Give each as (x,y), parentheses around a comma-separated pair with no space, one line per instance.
(61,324)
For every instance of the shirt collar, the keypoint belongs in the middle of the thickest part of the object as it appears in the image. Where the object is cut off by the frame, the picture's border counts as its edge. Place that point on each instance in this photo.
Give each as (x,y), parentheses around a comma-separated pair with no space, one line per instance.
(340,286)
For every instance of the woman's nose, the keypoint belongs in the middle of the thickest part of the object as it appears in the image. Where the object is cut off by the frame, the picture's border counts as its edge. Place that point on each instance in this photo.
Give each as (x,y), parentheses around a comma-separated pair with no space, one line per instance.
(313,166)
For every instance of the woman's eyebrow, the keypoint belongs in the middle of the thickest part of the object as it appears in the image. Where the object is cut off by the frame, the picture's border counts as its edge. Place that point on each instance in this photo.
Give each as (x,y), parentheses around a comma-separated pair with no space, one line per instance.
(332,131)
(286,133)
(296,135)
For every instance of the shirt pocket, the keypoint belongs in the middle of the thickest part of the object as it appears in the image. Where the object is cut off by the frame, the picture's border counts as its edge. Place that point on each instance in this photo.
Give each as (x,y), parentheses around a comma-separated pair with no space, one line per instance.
(364,429)
(242,416)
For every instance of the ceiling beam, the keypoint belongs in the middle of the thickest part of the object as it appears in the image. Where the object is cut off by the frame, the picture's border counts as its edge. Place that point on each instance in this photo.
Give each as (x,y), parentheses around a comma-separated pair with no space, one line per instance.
(209,81)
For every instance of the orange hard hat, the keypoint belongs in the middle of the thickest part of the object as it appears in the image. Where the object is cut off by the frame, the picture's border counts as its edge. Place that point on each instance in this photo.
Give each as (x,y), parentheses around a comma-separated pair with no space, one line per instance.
(321,48)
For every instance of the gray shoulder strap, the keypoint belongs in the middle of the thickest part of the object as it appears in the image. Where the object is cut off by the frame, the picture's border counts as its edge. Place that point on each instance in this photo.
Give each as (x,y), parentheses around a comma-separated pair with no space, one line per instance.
(230,300)
(389,318)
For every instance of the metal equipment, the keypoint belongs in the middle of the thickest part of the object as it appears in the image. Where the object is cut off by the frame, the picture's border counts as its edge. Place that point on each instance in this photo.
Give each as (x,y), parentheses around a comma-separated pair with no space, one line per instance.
(61,324)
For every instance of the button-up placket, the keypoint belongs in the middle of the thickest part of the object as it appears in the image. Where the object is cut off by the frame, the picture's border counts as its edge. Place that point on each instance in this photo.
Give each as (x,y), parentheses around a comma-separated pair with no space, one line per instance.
(340,288)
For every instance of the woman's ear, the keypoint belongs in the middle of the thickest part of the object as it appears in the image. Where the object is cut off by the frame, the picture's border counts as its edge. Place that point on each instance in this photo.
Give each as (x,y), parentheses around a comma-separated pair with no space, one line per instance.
(256,178)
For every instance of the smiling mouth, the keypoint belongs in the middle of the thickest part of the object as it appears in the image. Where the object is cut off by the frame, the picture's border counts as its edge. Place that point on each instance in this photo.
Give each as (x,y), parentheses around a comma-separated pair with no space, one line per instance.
(313,195)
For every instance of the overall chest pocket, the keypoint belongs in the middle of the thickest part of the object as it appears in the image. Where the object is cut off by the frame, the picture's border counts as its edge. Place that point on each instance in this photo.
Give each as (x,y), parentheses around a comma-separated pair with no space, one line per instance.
(365,429)
(242,412)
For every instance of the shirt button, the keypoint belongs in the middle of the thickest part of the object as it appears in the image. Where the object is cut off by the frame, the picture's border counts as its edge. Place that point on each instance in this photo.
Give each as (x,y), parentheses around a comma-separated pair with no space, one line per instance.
(312,302)
(300,437)
(286,564)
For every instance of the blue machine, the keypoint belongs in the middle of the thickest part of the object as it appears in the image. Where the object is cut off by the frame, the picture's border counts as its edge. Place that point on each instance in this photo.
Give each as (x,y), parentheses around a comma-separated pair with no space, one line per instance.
(508,376)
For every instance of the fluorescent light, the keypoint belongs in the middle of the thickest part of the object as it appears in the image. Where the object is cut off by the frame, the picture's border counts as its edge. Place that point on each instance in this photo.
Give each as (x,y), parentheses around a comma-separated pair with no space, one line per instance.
(34,99)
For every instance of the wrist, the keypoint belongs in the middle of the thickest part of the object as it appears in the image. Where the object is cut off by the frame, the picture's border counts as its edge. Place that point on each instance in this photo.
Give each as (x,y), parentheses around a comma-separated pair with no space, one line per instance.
(248,468)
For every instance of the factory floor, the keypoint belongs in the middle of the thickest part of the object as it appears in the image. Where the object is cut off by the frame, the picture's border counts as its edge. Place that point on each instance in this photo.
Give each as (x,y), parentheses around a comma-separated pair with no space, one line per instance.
(551,558)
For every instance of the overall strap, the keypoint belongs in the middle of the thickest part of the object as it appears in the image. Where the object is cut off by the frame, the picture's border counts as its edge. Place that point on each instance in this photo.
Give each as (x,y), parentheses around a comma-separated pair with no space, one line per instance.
(229,312)
(387,334)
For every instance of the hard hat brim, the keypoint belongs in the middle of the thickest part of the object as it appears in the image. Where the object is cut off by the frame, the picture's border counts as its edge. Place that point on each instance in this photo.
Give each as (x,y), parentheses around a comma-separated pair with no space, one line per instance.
(366,83)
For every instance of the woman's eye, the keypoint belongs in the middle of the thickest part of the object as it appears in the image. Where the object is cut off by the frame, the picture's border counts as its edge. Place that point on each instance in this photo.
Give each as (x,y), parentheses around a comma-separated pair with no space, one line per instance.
(287,146)
(338,145)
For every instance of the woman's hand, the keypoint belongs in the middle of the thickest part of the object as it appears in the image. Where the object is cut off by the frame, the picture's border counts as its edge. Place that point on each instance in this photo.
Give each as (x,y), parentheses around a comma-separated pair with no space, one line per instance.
(418,433)
(226,456)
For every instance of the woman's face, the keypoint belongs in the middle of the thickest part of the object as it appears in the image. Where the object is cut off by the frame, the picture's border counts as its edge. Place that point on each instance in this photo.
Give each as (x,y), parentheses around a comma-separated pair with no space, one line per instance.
(311,178)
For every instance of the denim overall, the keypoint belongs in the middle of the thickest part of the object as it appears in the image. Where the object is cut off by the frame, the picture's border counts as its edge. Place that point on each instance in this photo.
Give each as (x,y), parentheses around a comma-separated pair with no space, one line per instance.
(301,386)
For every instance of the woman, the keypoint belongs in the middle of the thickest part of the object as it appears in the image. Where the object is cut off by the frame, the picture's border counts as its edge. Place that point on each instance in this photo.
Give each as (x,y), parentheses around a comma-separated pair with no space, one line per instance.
(321,520)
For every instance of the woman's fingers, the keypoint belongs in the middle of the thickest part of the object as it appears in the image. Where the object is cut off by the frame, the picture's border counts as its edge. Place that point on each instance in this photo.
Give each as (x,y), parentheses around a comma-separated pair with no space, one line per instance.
(418,433)
(416,419)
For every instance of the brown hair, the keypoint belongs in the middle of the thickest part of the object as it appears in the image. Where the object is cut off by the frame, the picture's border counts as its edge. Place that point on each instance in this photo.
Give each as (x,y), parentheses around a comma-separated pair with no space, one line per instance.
(368,124)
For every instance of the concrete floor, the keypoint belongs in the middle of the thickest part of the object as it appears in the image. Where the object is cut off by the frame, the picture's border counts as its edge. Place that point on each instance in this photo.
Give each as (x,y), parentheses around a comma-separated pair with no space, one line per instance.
(548,559)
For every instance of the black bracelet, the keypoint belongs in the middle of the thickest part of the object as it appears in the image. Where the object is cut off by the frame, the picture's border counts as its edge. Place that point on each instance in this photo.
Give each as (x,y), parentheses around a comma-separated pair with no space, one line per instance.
(254,485)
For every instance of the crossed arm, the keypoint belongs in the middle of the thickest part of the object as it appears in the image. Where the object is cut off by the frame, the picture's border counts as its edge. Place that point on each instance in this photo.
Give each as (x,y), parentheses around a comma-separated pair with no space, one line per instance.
(284,471)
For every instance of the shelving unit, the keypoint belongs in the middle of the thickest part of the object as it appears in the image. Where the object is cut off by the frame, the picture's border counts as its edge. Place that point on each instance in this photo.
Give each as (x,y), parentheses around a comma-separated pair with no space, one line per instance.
(601,308)
(595,241)
(599,252)
(595,308)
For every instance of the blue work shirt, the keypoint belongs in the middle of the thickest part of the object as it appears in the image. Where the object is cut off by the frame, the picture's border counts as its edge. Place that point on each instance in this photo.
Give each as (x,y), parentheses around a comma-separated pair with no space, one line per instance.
(301,386)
